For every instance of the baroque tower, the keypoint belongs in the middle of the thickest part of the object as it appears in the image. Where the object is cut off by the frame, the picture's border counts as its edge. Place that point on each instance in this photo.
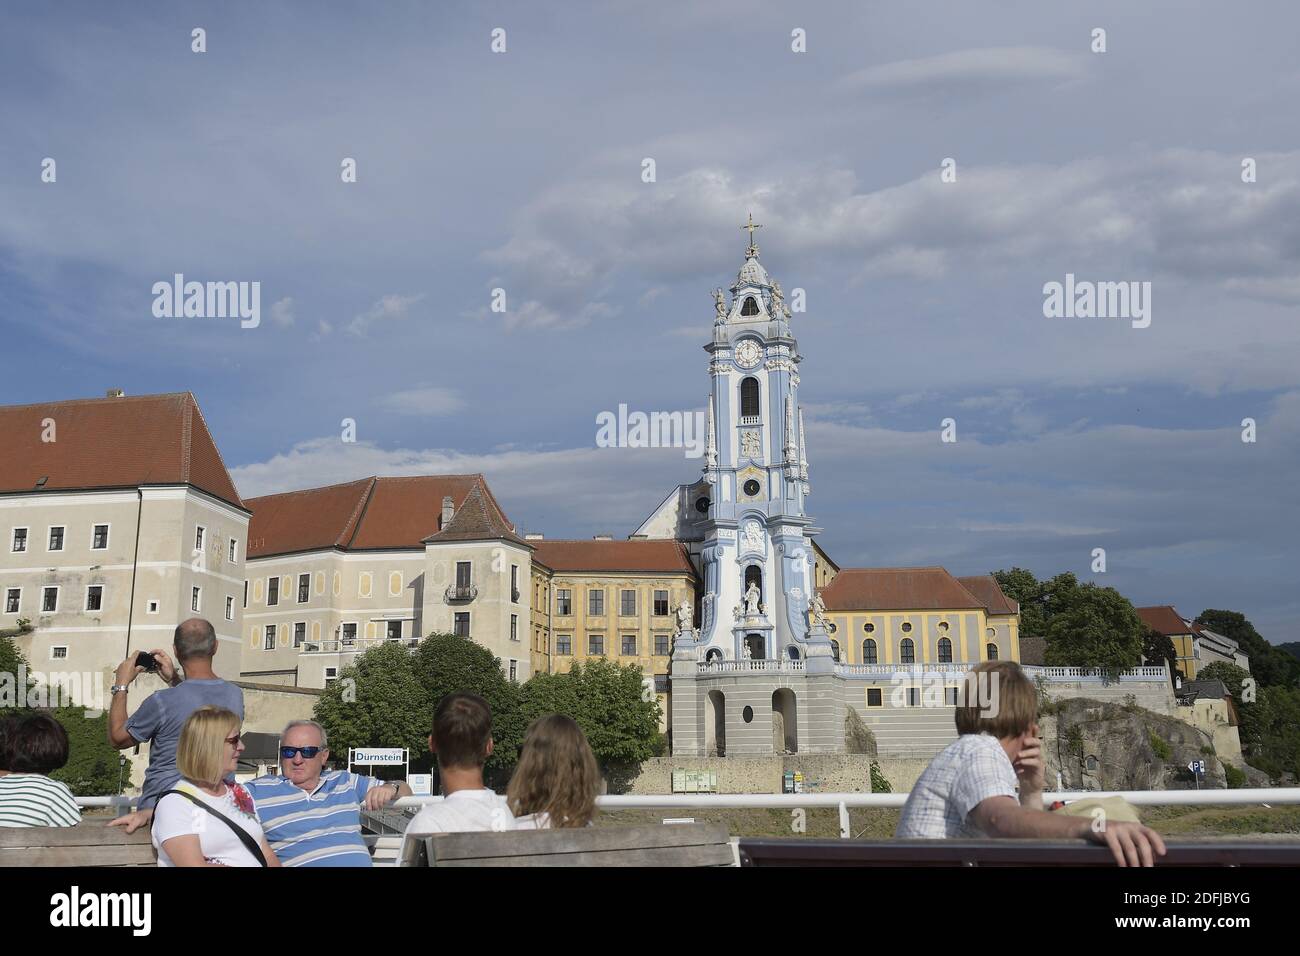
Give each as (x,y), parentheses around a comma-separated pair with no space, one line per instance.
(749,678)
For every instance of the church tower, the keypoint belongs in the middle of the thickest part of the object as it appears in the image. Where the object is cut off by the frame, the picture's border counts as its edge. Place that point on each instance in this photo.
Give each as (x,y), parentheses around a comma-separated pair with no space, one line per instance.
(747,679)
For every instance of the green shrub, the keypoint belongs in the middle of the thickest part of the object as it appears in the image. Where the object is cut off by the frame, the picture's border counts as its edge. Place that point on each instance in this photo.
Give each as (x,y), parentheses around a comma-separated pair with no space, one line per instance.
(1160,747)
(878,782)
(1236,778)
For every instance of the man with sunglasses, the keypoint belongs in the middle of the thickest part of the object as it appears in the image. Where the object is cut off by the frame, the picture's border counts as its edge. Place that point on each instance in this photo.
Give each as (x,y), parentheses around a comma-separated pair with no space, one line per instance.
(312,816)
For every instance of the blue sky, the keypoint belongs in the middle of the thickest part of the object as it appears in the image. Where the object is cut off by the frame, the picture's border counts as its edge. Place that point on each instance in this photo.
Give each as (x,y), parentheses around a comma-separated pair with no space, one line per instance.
(522,171)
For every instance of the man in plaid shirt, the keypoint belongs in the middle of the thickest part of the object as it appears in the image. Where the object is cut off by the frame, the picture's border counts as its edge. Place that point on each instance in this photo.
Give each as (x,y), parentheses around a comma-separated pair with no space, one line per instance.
(989,782)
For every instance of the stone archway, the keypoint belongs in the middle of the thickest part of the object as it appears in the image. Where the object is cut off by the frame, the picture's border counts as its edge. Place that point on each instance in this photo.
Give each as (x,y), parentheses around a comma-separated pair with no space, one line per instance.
(785,721)
(715,725)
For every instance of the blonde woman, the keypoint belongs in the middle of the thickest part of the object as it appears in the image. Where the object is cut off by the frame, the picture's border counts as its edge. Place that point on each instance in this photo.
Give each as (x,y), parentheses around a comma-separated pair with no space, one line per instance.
(556,782)
(202,820)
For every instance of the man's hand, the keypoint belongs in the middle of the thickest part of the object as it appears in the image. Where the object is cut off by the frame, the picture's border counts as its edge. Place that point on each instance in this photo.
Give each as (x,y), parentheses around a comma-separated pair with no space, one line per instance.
(1132,844)
(379,797)
(1029,765)
(166,669)
(127,671)
(133,821)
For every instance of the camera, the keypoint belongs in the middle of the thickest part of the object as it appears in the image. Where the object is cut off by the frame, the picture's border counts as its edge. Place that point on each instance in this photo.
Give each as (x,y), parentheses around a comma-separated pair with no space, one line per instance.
(147,661)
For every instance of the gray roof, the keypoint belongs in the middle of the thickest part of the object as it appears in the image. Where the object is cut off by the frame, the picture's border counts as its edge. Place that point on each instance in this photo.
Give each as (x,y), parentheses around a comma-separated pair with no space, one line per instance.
(1204,690)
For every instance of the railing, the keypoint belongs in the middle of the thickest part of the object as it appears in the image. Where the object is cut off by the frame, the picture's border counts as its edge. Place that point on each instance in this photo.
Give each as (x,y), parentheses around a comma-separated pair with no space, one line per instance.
(875,670)
(751,419)
(845,801)
(1094,673)
(358,645)
(457,593)
(748,666)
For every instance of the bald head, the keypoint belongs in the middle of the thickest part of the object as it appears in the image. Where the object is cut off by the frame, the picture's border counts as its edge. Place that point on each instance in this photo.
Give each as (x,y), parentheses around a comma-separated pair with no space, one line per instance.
(195,640)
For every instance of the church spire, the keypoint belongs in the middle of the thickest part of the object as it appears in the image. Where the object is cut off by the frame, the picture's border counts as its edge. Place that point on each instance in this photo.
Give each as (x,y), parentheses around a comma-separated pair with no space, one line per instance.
(711,445)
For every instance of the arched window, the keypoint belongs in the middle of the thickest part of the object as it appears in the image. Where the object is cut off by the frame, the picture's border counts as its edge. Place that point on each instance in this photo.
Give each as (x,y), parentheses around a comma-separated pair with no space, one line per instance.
(945,651)
(749,397)
(869,651)
(835,651)
(750,307)
(992,650)
(907,651)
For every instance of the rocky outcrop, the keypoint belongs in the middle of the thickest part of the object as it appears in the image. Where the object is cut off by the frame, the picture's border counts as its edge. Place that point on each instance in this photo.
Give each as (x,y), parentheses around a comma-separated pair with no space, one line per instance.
(1097,745)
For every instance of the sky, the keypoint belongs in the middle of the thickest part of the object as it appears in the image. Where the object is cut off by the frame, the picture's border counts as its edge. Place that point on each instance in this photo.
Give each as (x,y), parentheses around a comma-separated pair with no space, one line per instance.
(523,171)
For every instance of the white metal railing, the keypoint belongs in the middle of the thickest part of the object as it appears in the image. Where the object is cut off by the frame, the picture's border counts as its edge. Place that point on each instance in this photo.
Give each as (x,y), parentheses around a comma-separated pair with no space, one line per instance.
(1094,673)
(843,802)
(734,666)
(875,670)
(358,645)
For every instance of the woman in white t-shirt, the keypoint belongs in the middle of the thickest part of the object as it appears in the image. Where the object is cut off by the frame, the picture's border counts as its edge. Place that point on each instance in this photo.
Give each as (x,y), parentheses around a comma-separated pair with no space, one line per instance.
(202,820)
(556,781)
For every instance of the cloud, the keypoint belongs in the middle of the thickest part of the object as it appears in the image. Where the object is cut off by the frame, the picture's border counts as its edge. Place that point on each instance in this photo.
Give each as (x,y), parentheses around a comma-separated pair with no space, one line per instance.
(390,306)
(282,312)
(962,69)
(425,400)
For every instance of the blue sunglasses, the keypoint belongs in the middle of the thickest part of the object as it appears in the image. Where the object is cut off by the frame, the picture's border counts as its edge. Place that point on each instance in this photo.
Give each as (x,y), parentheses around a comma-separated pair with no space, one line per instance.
(308,752)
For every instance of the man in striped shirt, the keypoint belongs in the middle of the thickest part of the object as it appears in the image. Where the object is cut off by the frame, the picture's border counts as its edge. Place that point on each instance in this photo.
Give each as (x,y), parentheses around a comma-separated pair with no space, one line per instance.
(311,816)
(30,749)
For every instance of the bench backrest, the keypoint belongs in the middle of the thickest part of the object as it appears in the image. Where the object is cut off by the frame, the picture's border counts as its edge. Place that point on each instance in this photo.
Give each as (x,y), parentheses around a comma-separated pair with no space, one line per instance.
(87,844)
(796,851)
(693,844)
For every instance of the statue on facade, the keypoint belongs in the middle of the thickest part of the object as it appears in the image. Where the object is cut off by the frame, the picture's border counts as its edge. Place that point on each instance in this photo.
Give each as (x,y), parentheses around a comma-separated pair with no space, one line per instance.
(751,600)
(684,615)
(745,652)
(779,308)
(720,305)
(817,610)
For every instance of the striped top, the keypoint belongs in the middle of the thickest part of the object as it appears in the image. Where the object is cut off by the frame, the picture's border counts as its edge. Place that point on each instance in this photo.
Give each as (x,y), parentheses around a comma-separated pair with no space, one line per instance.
(320,828)
(34,800)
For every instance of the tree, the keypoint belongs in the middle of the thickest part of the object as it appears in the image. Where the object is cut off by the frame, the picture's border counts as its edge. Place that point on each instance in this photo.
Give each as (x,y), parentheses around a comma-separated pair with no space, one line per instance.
(1158,648)
(609,703)
(11,659)
(378,701)
(1039,600)
(1270,666)
(446,664)
(1094,627)
(94,767)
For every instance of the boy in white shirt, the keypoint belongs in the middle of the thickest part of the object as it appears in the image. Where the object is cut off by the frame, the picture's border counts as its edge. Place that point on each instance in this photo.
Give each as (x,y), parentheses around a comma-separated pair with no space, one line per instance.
(989,782)
(462,741)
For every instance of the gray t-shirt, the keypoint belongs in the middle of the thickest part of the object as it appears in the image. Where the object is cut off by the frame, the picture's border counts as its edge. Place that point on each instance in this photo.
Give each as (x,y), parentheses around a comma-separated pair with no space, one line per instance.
(159,721)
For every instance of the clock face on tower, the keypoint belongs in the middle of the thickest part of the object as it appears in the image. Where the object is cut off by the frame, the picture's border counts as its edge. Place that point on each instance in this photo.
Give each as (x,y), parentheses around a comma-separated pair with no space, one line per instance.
(748,354)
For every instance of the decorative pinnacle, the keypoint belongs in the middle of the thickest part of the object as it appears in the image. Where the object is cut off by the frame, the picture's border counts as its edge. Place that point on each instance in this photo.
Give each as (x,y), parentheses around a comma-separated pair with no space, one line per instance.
(752,251)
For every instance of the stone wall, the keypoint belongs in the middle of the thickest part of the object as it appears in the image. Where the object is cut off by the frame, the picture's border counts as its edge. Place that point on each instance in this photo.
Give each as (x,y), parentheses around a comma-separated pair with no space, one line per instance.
(822,773)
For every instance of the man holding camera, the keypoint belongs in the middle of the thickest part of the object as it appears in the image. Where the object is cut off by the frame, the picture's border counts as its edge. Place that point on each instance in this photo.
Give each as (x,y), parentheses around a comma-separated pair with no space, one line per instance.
(159,719)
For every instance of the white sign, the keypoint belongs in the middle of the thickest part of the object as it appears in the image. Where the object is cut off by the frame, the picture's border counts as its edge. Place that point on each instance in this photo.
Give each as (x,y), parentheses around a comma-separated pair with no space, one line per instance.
(421,784)
(377,757)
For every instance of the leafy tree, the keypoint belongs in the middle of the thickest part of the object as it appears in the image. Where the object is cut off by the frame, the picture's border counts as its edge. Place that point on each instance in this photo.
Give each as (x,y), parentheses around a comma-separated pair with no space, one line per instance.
(1158,648)
(1039,600)
(1269,665)
(94,767)
(608,702)
(446,664)
(378,701)
(10,658)
(1291,647)
(1094,627)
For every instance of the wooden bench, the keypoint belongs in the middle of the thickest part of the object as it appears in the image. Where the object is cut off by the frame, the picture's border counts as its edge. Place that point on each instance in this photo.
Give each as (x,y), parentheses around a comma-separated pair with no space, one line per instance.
(797,851)
(87,844)
(691,844)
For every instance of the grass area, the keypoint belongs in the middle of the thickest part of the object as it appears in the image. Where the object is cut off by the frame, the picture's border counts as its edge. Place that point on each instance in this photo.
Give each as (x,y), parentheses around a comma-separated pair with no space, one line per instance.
(1189,822)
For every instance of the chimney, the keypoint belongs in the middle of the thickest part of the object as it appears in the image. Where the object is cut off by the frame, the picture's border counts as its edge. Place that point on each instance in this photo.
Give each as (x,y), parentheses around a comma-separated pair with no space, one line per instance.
(534,536)
(448,510)
(115,393)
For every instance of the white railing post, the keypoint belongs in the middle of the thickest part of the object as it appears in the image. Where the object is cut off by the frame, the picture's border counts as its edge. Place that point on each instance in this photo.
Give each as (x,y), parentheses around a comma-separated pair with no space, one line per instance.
(846,831)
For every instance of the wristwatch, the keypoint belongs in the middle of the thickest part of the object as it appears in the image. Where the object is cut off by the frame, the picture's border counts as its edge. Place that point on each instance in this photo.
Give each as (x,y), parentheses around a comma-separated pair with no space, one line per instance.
(117,688)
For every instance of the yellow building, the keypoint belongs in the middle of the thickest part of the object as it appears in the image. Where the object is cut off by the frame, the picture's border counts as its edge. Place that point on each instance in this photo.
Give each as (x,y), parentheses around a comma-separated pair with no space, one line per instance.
(612,599)
(919,616)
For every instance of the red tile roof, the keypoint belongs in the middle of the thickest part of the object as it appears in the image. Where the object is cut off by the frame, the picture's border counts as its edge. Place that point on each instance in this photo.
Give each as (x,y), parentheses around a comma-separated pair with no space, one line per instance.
(656,556)
(103,443)
(374,514)
(1163,619)
(897,589)
(986,588)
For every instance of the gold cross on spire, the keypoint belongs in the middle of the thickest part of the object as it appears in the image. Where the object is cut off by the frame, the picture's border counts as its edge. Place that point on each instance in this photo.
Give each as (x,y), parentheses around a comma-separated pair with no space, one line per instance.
(751,226)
